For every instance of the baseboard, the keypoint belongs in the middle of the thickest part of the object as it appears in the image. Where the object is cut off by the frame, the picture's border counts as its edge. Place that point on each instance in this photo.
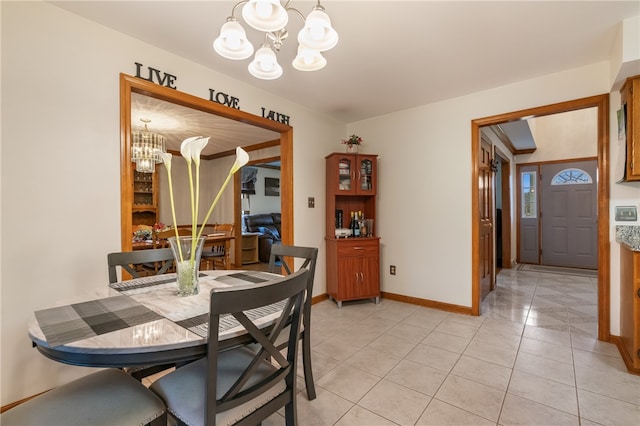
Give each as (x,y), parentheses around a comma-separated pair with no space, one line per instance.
(413,301)
(320,298)
(448,307)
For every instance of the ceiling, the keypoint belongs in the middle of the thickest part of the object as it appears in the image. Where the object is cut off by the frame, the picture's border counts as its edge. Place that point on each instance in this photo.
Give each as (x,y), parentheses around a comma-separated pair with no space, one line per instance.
(392,55)
(177,123)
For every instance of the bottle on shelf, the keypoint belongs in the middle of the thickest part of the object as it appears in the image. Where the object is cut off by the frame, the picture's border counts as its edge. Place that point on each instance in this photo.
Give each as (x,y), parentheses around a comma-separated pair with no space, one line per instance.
(351,223)
(356,225)
(363,226)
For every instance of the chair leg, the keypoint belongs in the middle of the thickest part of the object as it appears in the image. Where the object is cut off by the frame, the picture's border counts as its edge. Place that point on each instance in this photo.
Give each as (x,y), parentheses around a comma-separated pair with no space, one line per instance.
(290,413)
(306,363)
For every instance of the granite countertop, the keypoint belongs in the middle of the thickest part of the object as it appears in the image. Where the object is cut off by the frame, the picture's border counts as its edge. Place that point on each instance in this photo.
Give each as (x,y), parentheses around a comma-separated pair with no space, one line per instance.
(629,235)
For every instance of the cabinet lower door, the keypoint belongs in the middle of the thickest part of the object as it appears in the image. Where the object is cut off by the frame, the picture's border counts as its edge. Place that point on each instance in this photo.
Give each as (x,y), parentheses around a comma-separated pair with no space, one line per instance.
(358,278)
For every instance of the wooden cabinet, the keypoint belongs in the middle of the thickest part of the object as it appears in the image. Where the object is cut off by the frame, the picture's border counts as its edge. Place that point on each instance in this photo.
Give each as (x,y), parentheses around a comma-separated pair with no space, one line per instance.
(353,264)
(353,271)
(145,198)
(630,307)
(250,248)
(351,174)
(630,97)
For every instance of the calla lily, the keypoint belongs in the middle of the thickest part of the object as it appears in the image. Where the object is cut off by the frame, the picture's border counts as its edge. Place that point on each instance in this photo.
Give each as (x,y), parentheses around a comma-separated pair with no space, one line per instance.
(166,159)
(192,147)
(242,158)
(187,146)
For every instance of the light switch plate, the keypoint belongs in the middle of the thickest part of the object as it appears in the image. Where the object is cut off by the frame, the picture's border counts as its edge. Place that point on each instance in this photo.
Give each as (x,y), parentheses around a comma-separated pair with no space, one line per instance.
(626,213)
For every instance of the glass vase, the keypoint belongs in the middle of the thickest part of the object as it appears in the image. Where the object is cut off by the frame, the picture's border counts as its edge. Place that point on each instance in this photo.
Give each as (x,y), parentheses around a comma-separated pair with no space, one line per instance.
(187,252)
(352,148)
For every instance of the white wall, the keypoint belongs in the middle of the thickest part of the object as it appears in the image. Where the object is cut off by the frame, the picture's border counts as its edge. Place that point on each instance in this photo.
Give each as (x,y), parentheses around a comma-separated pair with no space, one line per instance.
(61,167)
(562,136)
(260,203)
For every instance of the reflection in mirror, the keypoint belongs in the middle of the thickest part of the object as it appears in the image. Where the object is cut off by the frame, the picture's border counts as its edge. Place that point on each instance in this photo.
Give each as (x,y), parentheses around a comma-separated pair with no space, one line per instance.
(177,116)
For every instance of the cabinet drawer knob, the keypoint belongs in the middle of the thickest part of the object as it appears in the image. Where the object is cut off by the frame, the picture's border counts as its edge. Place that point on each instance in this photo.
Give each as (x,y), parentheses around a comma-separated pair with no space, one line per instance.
(358,248)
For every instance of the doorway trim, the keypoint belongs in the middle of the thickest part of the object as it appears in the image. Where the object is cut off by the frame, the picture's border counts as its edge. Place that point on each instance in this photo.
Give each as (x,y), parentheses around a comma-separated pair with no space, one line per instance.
(505,192)
(601,102)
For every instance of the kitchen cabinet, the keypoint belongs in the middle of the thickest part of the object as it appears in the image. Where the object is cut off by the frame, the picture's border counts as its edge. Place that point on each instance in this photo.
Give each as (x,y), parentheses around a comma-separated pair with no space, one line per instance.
(630,97)
(630,307)
(354,270)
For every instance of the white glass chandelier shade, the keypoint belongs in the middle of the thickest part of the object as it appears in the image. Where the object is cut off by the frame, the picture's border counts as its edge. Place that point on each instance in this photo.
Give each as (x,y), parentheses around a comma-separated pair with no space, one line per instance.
(308,59)
(144,148)
(265,15)
(232,43)
(265,64)
(318,34)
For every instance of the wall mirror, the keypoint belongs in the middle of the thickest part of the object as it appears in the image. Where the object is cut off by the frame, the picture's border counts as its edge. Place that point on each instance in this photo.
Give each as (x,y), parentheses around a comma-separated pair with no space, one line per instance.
(177,115)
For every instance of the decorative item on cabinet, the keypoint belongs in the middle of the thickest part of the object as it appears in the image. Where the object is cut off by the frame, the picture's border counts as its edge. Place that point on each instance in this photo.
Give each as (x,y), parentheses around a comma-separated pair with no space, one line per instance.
(353,262)
(630,120)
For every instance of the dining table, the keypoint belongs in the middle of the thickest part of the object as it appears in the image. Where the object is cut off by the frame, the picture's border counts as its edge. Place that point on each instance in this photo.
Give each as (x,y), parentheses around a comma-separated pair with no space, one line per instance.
(142,321)
(211,240)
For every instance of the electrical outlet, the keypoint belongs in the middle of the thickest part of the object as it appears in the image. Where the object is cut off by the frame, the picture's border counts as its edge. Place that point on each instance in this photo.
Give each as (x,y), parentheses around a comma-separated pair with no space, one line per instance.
(312,202)
(392,269)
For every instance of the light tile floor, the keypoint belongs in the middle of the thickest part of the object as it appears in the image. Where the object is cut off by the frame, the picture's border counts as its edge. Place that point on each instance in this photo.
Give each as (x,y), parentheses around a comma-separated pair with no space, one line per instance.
(532,358)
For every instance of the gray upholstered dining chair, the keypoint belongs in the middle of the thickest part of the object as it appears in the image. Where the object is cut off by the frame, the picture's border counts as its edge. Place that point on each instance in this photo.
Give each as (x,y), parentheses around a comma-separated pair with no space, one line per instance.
(128,260)
(247,384)
(108,397)
(279,253)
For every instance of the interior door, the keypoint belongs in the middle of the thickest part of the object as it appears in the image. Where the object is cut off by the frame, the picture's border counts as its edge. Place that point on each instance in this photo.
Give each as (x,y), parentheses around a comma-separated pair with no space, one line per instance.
(569,214)
(485,204)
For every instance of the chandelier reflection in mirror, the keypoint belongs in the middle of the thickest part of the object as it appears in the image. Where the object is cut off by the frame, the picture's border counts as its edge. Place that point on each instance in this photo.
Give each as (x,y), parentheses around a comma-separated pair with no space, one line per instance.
(143,149)
(271,17)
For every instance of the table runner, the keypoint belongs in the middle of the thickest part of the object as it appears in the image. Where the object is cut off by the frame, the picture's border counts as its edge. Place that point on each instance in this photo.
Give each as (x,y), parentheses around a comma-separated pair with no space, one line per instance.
(144,300)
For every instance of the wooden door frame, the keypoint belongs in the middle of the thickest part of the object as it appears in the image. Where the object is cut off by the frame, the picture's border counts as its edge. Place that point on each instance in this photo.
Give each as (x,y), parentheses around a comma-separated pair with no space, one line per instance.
(129,84)
(601,102)
(506,205)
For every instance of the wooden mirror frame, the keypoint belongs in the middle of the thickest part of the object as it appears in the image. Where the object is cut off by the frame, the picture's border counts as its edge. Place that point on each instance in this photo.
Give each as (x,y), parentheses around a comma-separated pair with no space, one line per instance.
(129,84)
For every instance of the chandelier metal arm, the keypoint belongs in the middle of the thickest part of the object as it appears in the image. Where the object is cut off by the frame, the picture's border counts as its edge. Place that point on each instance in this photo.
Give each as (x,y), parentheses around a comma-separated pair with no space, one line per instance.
(235,7)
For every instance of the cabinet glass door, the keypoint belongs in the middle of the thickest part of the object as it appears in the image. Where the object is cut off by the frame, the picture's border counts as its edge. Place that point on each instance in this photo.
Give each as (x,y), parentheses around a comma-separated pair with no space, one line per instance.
(344,174)
(366,173)
(366,170)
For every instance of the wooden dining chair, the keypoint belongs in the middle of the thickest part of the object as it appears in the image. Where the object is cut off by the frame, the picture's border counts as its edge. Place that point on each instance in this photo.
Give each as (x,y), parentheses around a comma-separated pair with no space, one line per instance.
(245,385)
(216,255)
(130,260)
(160,238)
(278,264)
(108,397)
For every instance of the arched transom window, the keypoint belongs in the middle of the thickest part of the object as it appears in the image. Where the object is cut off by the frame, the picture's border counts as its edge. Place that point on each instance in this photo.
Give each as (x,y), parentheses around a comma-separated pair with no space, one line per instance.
(571,176)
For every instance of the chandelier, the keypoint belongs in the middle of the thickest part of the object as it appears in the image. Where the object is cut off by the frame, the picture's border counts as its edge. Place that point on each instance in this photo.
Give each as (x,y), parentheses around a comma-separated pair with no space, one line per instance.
(271,17)
(144,148)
